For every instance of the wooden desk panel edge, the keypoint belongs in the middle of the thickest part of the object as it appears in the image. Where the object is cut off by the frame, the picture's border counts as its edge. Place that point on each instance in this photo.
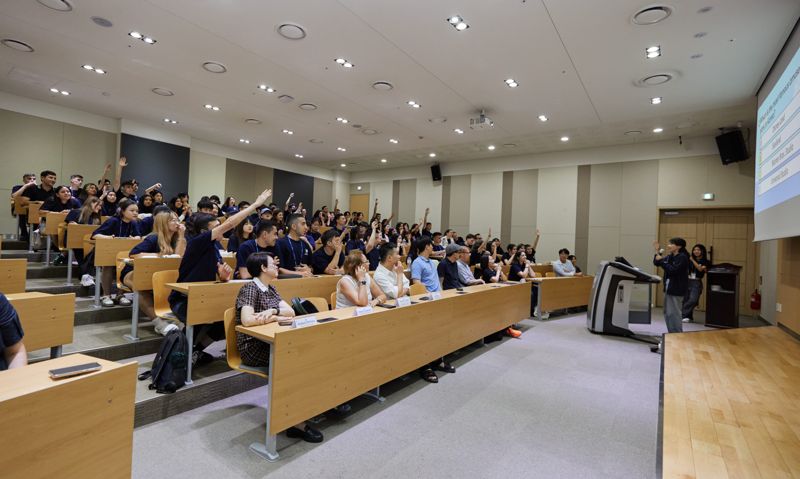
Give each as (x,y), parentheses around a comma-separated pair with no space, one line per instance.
(47,319)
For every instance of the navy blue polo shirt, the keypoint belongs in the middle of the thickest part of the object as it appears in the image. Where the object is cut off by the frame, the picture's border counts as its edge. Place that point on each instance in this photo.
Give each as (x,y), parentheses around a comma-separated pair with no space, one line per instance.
(37,193)
(73,216)
(118,228)
(514,271)
(55,205)
(438,247)
(320,260)
(148,245)
(10,329)
(246,249)
(199,262)
(292,253)
(109,209)
(146,225)
(355,244)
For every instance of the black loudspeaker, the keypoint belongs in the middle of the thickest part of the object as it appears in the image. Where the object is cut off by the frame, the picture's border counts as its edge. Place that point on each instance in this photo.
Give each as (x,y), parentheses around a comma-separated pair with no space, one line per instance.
(436,173)
(732,147)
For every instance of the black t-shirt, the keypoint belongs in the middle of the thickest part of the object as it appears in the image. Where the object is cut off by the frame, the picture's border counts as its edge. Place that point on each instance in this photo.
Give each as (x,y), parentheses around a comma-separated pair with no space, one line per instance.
(475,257)
(448,271)
(320,260)
(36,193)
(10,329)
(487,275)
(246,249)
(698,274)
(199,262)
(292,253)
(55,205)
(514,271)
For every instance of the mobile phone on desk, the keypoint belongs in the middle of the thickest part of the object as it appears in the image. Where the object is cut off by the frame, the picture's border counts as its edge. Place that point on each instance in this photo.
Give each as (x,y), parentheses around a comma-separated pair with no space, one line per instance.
(285,322)
(77,370)
(387,306)
(424,298)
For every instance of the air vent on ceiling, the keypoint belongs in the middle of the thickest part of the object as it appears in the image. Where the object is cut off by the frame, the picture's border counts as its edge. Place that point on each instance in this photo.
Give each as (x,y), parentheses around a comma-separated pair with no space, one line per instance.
(307,106)
(633,133)
(370,131)
(382,85)
(58,5)
(291,31)
(17,45)
(657,79)
(102,22)
(651,15)
(316,141)
(252,121)
(162,91)
(286,99)
(214,67)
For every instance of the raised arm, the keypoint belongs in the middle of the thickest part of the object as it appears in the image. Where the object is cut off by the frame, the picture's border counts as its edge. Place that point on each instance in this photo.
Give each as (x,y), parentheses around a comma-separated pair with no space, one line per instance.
(536,240)
(104,175)
(336,206)
(375,209)
(288,200)
(373,237)
(121,164)
(425,218)
(157,186)
(234,220)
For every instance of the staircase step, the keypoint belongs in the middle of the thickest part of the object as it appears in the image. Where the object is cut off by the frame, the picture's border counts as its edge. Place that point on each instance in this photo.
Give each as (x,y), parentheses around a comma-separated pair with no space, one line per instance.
(35,257)
(41,271)
(58,286)
(9,243)
(87,313)
(106,341)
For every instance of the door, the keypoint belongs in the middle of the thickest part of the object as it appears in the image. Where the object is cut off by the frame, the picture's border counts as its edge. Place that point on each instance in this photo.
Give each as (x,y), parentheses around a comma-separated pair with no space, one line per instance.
(360,203)
(728,236)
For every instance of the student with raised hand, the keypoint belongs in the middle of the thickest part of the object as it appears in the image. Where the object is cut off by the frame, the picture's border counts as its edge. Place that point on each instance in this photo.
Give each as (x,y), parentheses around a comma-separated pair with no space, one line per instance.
(563,266)
(675,264)
(244,231)
(259,303)
(123,225)
(293,250)
(12,350)
(530,250)
(356,288)
(168,238)
(390,276)
(109,199)
(263,241)
(202,262)
(330,258)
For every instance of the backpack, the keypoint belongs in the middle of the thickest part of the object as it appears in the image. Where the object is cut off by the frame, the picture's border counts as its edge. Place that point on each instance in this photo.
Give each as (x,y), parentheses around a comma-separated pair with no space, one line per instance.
(168,373)
(302,306)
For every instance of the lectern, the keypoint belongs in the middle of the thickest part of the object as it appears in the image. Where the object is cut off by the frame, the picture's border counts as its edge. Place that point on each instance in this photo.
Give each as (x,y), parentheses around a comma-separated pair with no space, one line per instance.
(722,296)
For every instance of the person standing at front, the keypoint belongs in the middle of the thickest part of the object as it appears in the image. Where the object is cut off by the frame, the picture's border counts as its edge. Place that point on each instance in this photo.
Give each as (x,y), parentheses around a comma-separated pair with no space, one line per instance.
(675,263)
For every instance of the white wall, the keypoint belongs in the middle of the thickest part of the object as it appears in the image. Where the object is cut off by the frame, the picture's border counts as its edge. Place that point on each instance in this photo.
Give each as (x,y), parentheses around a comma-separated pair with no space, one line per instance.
(485,203)
(429,195)
(556,211)
(206,174)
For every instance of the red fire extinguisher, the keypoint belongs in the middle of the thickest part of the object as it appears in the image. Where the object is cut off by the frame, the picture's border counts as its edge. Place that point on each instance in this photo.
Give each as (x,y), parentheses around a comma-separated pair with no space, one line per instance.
(755,301)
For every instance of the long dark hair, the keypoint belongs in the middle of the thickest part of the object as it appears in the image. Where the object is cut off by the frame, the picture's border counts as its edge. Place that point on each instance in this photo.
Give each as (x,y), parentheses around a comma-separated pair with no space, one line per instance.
(703,251)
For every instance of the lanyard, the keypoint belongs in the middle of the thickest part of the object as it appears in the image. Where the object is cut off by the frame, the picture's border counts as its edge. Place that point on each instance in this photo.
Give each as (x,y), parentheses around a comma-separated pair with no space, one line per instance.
(294,253)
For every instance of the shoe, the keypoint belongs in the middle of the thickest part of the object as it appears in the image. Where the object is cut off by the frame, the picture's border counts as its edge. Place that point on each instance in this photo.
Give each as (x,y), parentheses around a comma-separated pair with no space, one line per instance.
(445,367)
(107,301)
(123,301)
(308,435)
(655,349)
(60,260)
(201,358)
(163,327)
(87,280)
(514,333)
(687,320)
(429,375)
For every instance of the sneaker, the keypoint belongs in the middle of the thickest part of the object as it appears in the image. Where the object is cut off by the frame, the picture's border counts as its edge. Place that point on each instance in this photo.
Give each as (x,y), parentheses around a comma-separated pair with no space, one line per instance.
(201,358)
(60,260)
(107,301)
(514,333)
(163,327)
(687,320)
(87,280)
(123,301)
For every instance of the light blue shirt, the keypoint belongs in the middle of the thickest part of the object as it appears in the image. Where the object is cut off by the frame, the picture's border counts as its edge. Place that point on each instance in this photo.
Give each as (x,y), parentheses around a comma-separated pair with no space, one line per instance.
(422,270)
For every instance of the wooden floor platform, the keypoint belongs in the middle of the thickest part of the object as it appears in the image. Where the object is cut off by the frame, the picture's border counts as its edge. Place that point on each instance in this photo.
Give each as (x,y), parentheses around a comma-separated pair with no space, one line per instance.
(731,404)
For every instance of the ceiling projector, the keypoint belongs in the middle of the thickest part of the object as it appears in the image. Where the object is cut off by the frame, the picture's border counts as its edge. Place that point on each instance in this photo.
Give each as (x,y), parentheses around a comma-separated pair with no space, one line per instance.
(480,123)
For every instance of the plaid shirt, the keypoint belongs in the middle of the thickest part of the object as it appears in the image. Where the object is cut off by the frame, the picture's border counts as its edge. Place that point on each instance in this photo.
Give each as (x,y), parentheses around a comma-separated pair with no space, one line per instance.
(260,298)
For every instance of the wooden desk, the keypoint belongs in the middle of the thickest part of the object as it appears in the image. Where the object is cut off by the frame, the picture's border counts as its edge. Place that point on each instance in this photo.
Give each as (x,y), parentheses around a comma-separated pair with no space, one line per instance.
(75,234)
(51,224)
(317,286)
(47,319)
(563,292)
(316,368)
(13,273)
(74,427)
(105,255)
(144,268)
(19,208)
(730,404)
(542,268)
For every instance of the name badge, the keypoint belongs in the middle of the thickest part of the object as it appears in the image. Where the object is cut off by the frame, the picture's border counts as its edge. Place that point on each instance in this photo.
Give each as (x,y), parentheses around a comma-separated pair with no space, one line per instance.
(363,310)
(403,301)
(436,295)
(304,322)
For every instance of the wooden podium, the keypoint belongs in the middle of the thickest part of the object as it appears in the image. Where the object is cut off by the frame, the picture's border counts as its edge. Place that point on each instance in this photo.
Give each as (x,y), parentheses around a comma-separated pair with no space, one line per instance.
(722,296)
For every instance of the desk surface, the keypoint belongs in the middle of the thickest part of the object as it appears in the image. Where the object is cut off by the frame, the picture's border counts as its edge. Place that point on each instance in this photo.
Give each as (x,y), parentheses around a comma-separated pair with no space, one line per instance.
(731,404)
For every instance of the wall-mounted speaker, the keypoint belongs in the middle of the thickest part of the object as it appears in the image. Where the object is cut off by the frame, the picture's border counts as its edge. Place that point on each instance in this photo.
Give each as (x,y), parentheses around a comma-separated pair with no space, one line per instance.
(732,147)
(436,173)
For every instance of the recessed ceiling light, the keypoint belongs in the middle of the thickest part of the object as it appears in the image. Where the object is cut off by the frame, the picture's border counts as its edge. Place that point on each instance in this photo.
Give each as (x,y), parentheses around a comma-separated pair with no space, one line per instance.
(393,141)
(543,118)
(17,45)
(384,160)
(343,165)
(56,90)
(266,88)
(99,71)
(214,67)
(162,91)
(211,107)
(244,140)
(651,15)
(656,100)
(291,31)
(58,5)
(358,187)
(382,85)
(141,36)
(511,83)
(341,120)
(316,141)
(490,147)
(102,22)
(341,149)
(565,139)
(285,98)
(288,132)
(432,155)
(657,130)
(413,104)
(252,121)
(170,121)
(307,106)
(298,155)
(343,63)
(458,131)
(457,22)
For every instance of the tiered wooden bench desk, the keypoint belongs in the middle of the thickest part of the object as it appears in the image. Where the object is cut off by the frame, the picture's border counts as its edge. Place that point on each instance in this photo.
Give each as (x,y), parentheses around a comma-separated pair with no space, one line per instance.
(47,319)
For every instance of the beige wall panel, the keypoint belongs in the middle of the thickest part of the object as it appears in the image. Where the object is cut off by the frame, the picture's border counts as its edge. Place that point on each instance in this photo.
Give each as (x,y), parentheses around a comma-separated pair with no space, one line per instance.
(523,208)
(323,195)
(603,245)
(207,176)
(429,195)
(382,190)
(86,152)
(408,201)
(556,210)
(605,195)
(639,198)
(460,190)
(485,203)
(682,182)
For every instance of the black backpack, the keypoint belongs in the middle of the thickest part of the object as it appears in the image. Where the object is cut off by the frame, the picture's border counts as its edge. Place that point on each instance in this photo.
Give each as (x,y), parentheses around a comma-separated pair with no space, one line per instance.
(302,306)
(168,373)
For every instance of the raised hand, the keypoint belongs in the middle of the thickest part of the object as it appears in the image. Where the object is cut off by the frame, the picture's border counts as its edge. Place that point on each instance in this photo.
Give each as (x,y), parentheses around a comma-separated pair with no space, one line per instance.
(538,233)
(107,168)
(656,245)
(263,197)
(123,162)
(224,271)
